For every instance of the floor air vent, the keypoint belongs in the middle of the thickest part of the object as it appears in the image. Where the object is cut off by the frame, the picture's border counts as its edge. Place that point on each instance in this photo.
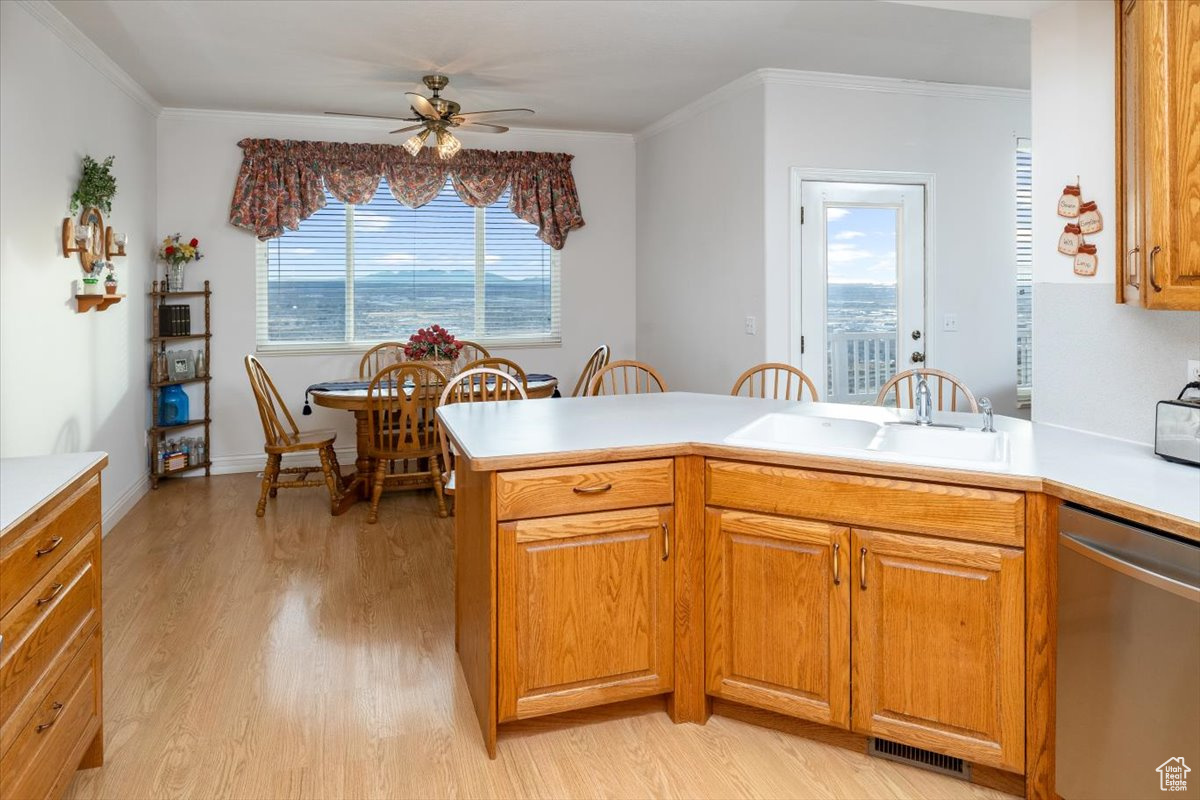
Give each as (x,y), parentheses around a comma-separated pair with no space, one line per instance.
(918,757)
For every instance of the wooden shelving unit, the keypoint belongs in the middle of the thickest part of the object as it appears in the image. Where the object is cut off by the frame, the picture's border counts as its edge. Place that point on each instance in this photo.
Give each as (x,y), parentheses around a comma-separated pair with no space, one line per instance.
(158,432)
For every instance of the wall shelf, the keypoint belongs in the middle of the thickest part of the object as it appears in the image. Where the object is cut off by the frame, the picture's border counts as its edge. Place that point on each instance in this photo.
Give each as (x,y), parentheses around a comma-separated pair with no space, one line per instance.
(86,302)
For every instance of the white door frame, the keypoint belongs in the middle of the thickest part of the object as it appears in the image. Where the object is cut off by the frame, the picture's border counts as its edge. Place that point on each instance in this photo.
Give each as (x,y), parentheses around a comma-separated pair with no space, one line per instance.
(795,284)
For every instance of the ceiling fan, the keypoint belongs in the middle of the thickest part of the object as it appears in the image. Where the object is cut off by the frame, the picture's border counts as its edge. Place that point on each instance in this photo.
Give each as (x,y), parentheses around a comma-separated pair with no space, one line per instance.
(437,116)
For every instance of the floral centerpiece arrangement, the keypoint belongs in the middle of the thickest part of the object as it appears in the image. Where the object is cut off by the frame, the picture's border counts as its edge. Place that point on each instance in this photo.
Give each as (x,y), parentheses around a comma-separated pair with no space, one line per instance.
(434,345)
(174,252)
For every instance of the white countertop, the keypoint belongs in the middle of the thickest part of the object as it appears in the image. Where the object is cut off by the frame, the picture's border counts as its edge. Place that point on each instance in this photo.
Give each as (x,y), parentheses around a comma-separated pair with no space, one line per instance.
(1127,472)
(26,483)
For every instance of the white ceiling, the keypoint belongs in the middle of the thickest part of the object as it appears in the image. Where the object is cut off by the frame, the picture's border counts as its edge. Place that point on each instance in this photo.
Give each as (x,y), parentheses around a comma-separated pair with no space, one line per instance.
(601,65)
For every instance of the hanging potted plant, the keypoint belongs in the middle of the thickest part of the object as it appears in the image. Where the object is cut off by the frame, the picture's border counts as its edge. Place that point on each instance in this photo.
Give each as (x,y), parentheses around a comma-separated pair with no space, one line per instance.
(174,252)
(110,281)
(97,186)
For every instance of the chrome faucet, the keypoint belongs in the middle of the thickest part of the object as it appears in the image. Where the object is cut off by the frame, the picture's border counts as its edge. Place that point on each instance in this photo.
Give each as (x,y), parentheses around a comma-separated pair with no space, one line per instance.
(924,401)
(986,406)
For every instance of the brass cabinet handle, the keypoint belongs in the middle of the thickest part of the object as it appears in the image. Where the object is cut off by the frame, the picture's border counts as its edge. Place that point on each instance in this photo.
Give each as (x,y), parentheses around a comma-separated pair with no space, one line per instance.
(837,572)
(54,543)
(57,707)
(862,568)
(54,590)
(666,542)
(1133,278)
(1150,268)
(604,487)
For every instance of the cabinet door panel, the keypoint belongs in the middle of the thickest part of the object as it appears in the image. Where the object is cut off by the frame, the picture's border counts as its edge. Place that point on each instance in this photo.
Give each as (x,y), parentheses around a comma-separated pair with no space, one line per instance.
(585,611)
(777,623)
(939,645)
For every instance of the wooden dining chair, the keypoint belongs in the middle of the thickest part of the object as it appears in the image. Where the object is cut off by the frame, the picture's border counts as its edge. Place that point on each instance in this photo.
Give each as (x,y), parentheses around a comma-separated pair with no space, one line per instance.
(478,385)
(381,355)
(401,401)
(947,388)
(281,437)
(471,351)
(627,377)
(774,380)
(597,361)
(503,364)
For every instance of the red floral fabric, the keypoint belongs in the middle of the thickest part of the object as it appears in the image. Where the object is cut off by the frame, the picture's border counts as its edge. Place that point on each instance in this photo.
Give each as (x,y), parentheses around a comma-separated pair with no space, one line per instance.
(282,182)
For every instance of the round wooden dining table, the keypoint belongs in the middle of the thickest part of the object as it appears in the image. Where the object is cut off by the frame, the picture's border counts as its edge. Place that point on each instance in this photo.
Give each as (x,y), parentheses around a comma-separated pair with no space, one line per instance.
(355,401)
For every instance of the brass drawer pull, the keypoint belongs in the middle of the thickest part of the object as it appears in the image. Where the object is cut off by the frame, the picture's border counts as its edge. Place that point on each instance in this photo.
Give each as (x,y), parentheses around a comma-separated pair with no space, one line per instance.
(54,590)
(666,542)
(604,487)
(1150,268)
(837,570)
(862,568)
(1133,279)
(57,707)
(50,548)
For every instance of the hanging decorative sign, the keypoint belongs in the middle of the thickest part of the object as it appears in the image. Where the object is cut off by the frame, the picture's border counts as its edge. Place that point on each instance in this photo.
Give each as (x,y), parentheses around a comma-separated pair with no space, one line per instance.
(1068,242)
(1089,218)
(1068,204)
(1085,260)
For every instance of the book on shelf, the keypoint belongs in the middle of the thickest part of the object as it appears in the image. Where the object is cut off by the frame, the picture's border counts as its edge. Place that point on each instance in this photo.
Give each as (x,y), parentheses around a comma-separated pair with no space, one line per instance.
(174,320)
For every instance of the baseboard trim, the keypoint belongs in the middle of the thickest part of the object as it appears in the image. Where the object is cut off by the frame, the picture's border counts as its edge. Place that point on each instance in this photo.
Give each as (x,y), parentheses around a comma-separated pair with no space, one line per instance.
(254,462)
(124,504)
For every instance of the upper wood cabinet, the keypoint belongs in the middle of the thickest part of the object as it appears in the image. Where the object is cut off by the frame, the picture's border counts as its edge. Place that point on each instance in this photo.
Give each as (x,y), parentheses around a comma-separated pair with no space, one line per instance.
(778,614)
(939,645)
(1158,153)
(585,610)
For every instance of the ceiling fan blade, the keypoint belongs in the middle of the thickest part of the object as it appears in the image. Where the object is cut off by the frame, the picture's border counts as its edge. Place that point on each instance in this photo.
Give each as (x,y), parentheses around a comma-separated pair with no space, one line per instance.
(481,127)
(422,106)
(473,114)
(416,127)
(367,116)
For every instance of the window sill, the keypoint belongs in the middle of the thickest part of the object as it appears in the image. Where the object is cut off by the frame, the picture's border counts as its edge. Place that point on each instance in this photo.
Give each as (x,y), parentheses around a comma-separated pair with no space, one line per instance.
(358,348)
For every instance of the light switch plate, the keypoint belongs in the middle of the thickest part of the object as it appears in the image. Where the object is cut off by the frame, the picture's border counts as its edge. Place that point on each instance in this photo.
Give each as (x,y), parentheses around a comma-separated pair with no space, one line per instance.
(751,326)
(950,323)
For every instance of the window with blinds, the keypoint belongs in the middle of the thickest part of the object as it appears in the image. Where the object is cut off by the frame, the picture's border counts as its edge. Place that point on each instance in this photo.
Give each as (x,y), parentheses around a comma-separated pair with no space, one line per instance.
(1024,254)
(361,274)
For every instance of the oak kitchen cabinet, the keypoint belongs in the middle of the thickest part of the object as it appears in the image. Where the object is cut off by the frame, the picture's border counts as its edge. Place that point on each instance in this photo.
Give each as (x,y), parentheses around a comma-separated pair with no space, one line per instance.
(1158,153)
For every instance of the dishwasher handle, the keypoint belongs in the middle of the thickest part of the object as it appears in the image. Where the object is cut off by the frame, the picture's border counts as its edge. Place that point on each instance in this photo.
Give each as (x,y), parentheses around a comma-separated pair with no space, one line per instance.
(1138,572)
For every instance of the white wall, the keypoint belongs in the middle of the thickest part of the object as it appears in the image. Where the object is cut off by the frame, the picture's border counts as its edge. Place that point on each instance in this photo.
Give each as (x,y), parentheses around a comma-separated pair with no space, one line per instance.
(715,217)
(69,381)
(1097,366)
(198,161)
(700,242)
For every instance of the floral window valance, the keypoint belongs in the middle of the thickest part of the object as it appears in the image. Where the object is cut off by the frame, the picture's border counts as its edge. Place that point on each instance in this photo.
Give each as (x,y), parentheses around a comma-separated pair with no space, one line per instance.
(282,182)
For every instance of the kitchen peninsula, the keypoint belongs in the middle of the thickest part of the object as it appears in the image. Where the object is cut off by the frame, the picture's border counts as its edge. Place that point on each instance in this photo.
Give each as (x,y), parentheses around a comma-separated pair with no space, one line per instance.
(612,548)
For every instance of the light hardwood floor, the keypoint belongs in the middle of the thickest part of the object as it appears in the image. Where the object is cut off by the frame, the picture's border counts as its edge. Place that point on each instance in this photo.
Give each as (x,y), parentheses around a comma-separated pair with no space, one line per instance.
(305,656)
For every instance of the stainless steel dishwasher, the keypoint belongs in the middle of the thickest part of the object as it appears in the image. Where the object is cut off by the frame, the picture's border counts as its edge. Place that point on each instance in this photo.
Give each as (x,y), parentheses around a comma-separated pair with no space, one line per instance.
(1128,661)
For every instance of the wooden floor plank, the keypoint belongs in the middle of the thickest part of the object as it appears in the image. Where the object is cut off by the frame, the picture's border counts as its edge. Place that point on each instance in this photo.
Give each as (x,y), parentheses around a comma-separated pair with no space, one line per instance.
(304,656)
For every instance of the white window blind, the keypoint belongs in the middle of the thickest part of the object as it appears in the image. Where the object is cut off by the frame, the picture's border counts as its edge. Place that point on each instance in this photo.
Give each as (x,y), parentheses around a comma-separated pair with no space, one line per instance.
(1024,255)
(356,275)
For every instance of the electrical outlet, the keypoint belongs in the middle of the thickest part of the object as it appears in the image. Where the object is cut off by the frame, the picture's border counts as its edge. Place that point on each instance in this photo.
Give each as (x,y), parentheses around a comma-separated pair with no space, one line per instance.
(1193,371)
(950,323)
(751,326)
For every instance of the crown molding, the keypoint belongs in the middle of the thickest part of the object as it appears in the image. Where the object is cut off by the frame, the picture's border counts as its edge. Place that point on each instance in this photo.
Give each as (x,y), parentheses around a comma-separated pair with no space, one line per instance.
(325,122)
(72,37)
(828,80)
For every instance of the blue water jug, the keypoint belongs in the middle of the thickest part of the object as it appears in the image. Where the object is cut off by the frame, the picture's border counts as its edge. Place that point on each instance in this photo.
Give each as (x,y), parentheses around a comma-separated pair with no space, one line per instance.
(172,405)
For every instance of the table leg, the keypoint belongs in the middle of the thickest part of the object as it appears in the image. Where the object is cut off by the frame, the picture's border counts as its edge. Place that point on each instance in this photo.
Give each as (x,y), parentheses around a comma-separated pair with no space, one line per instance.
(362,464)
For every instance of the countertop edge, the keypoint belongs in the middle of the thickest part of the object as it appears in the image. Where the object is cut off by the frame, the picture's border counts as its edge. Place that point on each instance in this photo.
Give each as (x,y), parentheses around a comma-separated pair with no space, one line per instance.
(64,487)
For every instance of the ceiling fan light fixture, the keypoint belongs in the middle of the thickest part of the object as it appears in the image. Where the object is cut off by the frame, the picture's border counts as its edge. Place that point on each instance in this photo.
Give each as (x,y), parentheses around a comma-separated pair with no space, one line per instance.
(414,144)
(448,144)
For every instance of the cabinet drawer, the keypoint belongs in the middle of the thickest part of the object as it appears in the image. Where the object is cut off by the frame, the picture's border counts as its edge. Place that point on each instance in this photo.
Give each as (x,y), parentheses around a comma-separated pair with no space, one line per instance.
(28,556)
(988,515)
(570,490)
(48,748)
(46,626)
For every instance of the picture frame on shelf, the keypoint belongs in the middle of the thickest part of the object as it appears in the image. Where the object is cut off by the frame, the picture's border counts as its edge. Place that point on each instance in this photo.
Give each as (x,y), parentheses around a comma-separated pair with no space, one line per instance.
(181,365)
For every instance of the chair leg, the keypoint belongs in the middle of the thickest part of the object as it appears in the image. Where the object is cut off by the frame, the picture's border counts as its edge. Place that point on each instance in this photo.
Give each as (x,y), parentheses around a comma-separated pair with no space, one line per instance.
(327,469)
(377,491)
(273,464)
(435,470)
(337,471)
(267,480)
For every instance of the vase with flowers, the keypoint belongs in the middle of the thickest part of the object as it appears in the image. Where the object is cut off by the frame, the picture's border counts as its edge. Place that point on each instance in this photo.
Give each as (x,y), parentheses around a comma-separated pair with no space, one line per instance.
(434,346)
(175,252)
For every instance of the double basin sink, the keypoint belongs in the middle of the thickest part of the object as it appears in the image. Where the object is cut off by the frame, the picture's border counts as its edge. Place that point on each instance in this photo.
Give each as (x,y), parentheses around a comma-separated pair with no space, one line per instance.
(950,446)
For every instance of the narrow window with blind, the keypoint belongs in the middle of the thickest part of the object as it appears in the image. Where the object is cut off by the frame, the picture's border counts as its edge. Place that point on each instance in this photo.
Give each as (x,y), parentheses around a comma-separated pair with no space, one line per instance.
(355,275)
(1024,256)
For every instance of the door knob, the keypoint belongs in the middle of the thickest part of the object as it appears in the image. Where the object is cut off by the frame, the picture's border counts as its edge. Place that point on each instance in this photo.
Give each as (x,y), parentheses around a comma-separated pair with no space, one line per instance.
(918,357)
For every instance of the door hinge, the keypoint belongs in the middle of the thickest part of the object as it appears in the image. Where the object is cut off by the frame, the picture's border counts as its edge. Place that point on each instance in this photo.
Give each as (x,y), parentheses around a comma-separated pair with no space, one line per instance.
(801,345)
(801,215)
